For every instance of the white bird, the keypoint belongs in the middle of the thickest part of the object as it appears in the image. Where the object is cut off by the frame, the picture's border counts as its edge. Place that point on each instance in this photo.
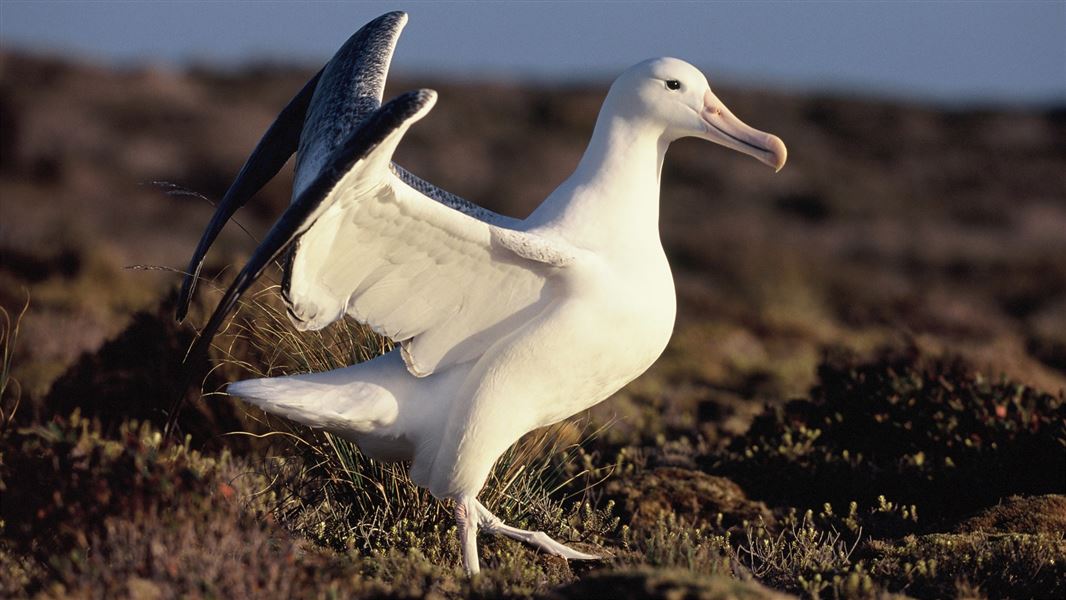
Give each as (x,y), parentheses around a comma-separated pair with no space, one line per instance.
(503,325)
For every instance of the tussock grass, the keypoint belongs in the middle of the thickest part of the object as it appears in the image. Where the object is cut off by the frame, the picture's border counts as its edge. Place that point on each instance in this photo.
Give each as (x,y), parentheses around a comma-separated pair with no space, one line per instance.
(119,510)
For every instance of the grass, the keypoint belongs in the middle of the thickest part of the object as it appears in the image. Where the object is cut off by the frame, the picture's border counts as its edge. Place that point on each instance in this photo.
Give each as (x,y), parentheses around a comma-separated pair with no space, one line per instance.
(10,388)
(90,508)
(846,493)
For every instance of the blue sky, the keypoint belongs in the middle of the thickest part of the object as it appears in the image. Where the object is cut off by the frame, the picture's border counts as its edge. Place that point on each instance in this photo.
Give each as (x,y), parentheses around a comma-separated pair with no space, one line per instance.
(955,52)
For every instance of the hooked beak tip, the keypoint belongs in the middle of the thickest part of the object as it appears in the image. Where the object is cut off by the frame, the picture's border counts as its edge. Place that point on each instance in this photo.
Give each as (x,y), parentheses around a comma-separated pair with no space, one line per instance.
(777,153)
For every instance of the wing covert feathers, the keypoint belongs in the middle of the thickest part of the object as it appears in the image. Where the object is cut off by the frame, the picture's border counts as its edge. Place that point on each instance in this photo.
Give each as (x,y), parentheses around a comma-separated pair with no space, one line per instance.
(534,247)
(425,275)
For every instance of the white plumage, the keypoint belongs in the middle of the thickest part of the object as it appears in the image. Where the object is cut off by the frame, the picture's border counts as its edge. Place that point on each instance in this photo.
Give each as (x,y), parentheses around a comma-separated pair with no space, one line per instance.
(504,325)
(413,269)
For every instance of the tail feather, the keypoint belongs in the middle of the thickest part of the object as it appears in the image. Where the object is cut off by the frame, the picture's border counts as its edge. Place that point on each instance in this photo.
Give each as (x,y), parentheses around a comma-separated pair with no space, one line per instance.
(337,400)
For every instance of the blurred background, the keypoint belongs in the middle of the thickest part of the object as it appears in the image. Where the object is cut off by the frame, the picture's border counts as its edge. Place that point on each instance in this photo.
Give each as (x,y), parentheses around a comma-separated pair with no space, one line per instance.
(944,51)
(924,203)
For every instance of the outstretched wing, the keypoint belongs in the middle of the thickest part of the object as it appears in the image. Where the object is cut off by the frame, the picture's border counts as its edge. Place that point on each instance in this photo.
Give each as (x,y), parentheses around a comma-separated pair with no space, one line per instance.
(442,282)
(317,120)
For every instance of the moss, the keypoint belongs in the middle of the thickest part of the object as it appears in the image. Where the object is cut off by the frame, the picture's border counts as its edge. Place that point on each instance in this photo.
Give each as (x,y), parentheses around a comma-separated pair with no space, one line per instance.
(62,479)
(997,565)
(670,543)
(126,515)
(139,374)
(86,514)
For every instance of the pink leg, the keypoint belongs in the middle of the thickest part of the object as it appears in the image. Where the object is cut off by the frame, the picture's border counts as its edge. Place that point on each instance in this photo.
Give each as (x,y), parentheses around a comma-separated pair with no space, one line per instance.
(539,539)
(466,517)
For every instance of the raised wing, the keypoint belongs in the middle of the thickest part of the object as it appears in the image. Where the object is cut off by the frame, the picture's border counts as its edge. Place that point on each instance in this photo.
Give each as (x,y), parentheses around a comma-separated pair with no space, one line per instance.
(442,282)
(336,101)
(350,89)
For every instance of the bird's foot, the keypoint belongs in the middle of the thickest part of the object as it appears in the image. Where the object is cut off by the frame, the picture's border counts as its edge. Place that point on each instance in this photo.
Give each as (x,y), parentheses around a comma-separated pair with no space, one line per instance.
(492,524)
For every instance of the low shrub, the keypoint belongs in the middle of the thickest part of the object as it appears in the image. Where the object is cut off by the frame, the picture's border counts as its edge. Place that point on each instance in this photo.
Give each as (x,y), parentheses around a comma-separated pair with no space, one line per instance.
(915,429)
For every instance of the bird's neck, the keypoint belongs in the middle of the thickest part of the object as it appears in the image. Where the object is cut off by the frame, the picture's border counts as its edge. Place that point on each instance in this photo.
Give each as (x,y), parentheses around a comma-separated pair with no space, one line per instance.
(613,196)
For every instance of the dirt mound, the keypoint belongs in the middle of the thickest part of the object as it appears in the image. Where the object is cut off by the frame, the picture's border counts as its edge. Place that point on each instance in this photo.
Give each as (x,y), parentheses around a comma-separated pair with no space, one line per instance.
(1020,514)
(649,584)
(695,497)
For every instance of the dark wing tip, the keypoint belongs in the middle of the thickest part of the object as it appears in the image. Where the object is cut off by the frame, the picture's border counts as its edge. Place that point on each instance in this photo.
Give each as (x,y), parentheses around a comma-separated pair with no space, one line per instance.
(425,95)
(389,22)
(396,18)
(409,104)
(188,286)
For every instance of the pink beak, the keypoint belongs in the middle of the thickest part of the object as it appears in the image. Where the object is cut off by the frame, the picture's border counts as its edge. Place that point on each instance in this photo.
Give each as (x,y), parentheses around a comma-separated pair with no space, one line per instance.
(722,127)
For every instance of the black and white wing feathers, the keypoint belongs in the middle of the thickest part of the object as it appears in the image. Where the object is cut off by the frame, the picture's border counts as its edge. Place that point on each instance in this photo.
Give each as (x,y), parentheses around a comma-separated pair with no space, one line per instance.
(319,118)
(442,276)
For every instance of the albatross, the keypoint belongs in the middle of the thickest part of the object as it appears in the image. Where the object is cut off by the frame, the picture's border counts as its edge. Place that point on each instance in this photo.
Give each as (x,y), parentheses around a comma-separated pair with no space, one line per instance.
(502,325)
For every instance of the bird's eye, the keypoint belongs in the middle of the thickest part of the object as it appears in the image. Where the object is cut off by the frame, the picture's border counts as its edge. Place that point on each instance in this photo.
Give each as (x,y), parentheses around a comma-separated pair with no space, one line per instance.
(673,84)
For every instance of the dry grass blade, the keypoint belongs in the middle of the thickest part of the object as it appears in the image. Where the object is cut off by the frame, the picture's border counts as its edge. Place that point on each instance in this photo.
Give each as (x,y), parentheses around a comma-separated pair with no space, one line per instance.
(9,333)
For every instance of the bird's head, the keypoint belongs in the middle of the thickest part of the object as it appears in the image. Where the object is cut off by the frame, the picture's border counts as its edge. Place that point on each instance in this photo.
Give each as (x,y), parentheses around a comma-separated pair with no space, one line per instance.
(675,96)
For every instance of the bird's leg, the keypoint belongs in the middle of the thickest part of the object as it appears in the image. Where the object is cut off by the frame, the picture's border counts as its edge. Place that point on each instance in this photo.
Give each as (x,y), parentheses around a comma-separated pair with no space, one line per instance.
(493,524)
(466,517)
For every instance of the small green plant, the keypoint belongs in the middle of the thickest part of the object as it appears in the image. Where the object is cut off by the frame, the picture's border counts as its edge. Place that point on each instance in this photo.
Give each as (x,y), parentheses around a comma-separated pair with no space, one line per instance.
(997,565)
(801,557)
(86,514)
(673,543)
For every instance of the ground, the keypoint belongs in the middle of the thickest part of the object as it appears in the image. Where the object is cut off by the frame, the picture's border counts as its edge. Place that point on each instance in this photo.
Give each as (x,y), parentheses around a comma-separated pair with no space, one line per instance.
(863,396)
